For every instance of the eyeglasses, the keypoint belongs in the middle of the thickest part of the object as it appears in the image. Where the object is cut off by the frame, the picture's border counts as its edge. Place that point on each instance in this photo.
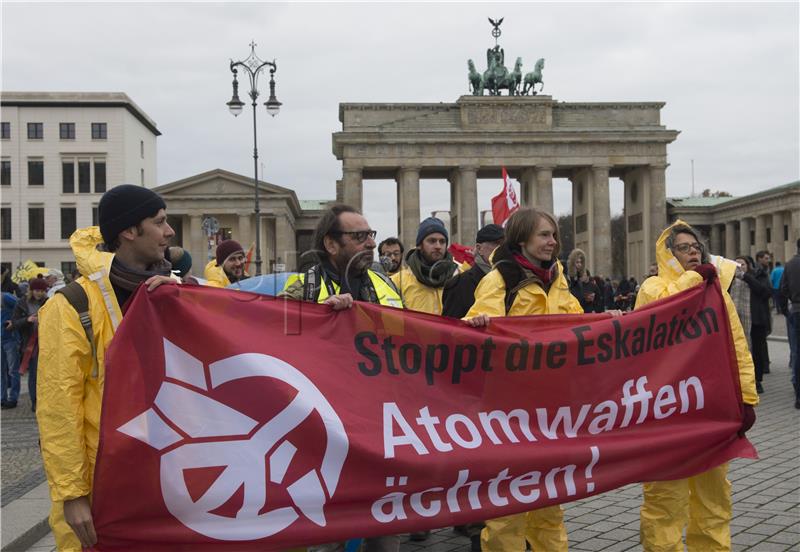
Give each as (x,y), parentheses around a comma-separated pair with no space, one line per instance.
(359,236)
(685,247)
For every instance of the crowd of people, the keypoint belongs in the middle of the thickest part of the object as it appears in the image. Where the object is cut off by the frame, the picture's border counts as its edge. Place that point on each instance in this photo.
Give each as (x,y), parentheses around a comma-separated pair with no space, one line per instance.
(516,271)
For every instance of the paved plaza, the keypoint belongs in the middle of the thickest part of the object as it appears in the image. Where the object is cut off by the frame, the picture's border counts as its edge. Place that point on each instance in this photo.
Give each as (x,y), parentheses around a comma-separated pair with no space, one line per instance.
(766,492)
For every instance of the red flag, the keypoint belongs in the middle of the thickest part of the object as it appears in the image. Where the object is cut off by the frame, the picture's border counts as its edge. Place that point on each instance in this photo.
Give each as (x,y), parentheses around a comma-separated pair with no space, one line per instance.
(504,203)
(225,427)
(461,253)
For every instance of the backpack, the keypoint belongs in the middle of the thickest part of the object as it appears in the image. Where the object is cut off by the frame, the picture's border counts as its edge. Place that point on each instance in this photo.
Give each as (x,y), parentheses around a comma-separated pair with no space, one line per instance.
(76,296)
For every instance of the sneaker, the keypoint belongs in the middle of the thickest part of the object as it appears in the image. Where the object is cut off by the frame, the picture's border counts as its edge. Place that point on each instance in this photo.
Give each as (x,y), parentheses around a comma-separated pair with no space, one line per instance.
(420,536)
(5,405)
(759,387)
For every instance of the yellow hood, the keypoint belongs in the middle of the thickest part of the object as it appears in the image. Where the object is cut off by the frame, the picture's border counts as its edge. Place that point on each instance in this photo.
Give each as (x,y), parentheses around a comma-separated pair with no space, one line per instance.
(84,243)
(216,275)
(670,269)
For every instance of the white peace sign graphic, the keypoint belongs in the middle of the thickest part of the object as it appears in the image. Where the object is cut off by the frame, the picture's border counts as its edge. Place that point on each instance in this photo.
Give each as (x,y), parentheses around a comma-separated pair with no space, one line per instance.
(243,460)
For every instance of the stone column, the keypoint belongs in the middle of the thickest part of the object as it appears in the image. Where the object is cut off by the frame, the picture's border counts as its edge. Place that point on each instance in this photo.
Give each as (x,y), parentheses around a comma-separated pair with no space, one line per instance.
(528,188)
(407,205)
(544,188)
(658,201)
(794,231)
(468,203)
(761,232)
(744,237)
(601,222)
(286,246)
(454,178)
(245,236)
(716,240)
(778,243)
(730,240)
(352,187)
(198,247)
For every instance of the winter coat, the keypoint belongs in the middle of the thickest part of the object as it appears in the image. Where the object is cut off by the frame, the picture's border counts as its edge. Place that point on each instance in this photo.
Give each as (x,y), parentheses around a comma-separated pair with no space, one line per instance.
(26,307)
(672,279)
(790,282)
(215,275)
(459,293)
(69,387)
(760,293)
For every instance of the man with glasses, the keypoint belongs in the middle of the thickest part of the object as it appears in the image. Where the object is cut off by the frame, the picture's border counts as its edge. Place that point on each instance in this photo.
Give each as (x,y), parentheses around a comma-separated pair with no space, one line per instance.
(344,244)
(701,504)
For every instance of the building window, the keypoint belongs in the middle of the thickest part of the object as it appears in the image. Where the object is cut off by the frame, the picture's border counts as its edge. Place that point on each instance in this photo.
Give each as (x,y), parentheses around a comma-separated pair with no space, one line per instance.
(35,172)
(6,267)
(68,268)
(141,148)
(141,176)
(99,177)
(769,235)
(35,223)
(68,222)
(5,223)
(95,216)
(785,232)
(35,131)
(84,177)
(5,130)
(5,172)
(66,131)
(752,237)
(99,131)
(68,177)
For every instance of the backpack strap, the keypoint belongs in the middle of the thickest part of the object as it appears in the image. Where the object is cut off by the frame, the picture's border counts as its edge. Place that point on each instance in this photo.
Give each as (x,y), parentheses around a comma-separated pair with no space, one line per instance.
(76,296)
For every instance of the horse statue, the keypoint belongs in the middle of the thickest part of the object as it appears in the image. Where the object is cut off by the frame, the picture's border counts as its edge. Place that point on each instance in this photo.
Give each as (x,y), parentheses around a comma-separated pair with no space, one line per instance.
(514,78)
(496,73)
(534,77)
(475,79)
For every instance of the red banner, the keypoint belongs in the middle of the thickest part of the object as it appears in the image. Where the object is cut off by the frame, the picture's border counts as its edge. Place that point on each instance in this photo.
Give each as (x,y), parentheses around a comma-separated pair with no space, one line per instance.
(234,421)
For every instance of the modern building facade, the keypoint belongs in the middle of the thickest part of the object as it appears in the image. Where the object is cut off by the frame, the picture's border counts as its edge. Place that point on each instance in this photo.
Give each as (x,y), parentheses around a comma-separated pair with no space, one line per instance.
(764,221)
(60,151)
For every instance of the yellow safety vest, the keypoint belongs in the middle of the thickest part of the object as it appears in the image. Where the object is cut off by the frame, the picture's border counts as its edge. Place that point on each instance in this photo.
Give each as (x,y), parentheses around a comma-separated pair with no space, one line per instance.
(319,288)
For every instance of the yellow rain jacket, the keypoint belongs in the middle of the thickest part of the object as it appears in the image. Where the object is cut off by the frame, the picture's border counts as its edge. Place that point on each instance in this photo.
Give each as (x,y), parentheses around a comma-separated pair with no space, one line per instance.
(543,528)
(69,390)
(416,295)
(702,504)
(216,275)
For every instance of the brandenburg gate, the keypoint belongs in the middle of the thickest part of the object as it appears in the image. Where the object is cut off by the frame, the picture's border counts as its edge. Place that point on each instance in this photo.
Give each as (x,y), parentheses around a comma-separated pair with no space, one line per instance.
(536,139)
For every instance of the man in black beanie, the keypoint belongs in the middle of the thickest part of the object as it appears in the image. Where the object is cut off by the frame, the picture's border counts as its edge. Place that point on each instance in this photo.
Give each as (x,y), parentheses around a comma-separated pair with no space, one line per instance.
(459,292)
(125,251)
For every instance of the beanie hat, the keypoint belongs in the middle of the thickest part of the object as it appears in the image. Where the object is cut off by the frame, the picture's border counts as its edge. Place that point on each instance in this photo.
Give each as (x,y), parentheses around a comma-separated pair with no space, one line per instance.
(490,233)
(180,260)
(124,206)
(431,225)
(38,283)
(226,249)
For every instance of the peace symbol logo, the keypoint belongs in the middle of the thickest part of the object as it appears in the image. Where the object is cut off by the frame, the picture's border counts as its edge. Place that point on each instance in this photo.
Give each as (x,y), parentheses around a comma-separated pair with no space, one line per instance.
(249,454)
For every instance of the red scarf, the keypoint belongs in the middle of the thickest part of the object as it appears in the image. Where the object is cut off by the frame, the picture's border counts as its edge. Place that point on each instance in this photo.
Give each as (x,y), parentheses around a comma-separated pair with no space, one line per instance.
(544,274)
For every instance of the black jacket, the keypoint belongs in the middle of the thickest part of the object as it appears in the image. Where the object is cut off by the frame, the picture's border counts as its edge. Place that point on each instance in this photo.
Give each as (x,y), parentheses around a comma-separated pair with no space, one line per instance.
(760,292)
(790,282)
(459,292)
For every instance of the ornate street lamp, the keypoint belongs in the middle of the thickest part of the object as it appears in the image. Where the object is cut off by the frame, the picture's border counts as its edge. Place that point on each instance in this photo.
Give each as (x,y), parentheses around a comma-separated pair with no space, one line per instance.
(252,67)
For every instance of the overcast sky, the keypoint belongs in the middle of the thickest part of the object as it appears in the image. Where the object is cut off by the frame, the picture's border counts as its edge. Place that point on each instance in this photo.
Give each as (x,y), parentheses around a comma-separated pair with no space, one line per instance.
(729,74)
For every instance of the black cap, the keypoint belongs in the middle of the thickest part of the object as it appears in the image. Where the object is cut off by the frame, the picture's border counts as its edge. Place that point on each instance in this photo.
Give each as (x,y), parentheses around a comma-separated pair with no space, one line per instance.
(124,206)
(490,233)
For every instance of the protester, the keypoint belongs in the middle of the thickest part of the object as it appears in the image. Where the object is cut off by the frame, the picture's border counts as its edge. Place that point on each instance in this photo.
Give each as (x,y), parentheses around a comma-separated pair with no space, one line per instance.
(114,259)
(25,320)
(390,252)
(228,266)
(790,289)
(459,292)
(55,281)
(9,354)
(581,284)
(760,315)
(624,296)
(8,284)
(428,267)
(702,501)
(344,243)
(527,279)
(181,262)
(775,282)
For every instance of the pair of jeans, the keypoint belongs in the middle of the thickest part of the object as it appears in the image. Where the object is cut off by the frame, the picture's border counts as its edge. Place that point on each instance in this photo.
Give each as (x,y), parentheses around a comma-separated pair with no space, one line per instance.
(10,375)
(758,335)
(32,367)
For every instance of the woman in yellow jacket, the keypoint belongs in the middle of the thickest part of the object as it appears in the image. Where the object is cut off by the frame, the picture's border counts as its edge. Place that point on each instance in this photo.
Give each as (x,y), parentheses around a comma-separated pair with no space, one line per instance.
(702,501)
(527,279)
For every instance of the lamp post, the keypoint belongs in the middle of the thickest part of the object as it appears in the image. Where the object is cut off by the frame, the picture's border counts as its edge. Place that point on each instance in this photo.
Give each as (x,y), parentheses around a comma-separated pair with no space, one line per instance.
(252,67)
